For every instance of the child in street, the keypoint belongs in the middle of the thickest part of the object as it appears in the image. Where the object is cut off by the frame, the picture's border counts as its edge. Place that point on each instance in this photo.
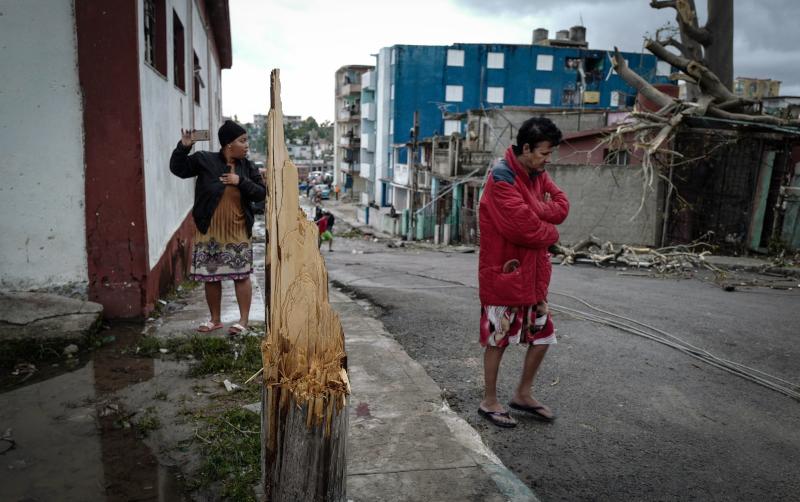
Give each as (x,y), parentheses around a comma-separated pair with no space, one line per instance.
(324,232)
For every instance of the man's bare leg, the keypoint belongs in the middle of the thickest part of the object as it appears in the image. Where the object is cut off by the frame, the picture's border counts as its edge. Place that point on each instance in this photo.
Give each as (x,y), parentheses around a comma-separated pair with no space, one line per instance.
(523,394)
(491,367)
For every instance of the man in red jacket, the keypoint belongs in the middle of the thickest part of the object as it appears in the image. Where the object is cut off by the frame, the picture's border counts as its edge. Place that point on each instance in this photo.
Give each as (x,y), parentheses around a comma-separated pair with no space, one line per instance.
(519,210)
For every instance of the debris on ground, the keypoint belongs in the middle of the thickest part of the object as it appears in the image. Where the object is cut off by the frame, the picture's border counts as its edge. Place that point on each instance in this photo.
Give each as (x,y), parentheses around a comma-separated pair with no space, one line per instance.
(230,386)
(254,407)
(663,260)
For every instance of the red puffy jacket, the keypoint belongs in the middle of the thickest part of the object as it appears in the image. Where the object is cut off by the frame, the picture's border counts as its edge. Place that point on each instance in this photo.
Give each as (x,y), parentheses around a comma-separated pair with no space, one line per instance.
(517,223)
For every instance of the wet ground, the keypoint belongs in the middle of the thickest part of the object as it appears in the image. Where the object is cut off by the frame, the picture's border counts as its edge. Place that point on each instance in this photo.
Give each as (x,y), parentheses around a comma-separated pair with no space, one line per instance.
(69,437)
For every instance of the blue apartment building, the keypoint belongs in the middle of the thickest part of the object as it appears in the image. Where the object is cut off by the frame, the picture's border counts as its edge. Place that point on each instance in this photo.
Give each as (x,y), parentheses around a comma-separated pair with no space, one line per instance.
(442,83)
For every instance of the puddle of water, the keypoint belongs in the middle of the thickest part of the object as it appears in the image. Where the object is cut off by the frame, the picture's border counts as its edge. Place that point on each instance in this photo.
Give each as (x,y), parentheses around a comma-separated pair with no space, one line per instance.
(72,442)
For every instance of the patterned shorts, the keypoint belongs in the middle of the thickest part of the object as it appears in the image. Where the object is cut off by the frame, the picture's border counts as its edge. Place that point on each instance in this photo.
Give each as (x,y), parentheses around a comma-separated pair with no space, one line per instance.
(501,326)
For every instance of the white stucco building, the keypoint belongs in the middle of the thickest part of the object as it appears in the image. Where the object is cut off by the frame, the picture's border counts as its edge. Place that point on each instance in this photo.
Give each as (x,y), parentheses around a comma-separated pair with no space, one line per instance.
(93,100)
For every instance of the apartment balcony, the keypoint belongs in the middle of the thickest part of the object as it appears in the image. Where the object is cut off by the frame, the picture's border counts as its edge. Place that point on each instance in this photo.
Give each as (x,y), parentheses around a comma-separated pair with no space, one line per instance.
(349,114)
(350,167)
(349,89)
(400,175)
(368,142)
(366,170)
(443,164)
(345,141)
(423,180)
(368,80)
(368,111)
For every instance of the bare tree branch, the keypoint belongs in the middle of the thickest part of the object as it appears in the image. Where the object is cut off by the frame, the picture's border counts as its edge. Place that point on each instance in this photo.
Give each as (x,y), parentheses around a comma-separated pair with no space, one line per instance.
(709,83)
(682,48)
(684,77)
(663,54)
(762,119)
(638,83)
(700,35)
(735,103)
(663,4)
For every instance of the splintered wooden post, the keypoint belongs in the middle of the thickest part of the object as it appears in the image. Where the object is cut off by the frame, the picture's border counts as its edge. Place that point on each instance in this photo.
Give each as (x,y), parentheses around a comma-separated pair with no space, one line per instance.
(304,400)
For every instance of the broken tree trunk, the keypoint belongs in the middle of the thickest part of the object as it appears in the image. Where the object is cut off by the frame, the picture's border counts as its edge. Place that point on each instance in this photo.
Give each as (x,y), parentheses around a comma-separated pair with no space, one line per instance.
(304,406)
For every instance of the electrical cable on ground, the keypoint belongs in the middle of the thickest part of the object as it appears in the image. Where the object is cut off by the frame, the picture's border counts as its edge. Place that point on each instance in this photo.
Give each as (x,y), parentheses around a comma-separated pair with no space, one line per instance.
(635,327)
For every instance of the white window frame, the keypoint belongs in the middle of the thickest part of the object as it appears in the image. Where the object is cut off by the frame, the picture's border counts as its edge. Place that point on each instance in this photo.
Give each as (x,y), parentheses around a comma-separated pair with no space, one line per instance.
(544,62)
(455,57)
(454,93)
(391,91)
(391,126)
(494,95)
(495,60)
(538,96)
(451,126)
(614,100)
(393,57)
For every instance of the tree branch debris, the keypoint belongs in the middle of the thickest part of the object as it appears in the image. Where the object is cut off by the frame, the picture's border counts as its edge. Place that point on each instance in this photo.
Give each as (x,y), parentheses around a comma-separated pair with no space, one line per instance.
(662,260)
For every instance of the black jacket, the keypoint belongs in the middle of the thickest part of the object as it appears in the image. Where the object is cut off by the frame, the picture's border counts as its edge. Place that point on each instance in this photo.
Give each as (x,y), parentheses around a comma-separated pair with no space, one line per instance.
(208,189)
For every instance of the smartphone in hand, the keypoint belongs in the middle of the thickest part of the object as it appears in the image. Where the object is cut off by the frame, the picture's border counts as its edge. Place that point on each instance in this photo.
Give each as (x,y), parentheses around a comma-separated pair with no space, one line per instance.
(200,135)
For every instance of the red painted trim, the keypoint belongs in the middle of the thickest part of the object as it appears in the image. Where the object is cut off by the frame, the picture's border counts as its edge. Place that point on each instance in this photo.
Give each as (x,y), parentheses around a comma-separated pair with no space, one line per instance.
(116,227)
(173,266)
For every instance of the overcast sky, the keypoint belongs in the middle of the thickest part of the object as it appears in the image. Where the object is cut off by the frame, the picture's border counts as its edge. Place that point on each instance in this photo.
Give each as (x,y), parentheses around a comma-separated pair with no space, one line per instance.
(310,39)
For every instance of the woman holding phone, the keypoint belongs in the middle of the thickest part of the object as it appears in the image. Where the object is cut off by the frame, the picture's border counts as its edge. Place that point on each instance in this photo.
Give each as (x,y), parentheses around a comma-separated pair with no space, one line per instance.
(226,183)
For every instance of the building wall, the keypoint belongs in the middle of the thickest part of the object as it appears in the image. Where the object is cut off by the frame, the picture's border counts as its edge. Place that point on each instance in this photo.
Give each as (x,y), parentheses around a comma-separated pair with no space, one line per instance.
(383,69)
(166,109)
(603,199)
(367,171)
(42,195)
(497,129)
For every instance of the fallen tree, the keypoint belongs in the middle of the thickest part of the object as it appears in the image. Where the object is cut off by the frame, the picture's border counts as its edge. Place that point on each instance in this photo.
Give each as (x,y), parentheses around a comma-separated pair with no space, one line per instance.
(700,51)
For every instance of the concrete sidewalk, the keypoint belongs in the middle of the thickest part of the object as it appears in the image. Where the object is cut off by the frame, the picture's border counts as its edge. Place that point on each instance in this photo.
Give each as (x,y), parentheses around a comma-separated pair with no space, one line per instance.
(405,443)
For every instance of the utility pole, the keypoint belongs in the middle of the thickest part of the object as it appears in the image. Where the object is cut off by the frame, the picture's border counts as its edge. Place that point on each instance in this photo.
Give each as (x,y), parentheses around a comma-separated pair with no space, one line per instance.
(412,172)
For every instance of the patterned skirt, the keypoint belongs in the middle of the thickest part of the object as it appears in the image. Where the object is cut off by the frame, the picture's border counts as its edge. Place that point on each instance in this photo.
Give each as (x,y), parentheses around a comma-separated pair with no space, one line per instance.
(224,252)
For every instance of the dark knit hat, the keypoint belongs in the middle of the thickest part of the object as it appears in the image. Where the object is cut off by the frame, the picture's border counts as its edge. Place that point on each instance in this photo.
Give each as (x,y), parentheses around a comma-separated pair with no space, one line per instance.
(229,131)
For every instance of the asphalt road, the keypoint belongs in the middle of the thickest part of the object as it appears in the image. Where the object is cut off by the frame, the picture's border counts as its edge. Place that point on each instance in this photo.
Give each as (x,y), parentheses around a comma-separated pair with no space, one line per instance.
(637,420)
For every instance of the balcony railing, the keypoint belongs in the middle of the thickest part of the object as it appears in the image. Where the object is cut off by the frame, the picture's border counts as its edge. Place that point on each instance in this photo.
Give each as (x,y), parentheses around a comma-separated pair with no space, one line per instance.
(368,80)
(368,142)
(400,175)
(366,170)
(368,111)
(348,89)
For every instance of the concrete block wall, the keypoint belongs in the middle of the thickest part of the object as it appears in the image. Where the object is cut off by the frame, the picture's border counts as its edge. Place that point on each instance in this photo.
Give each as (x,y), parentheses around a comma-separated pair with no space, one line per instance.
(603,201)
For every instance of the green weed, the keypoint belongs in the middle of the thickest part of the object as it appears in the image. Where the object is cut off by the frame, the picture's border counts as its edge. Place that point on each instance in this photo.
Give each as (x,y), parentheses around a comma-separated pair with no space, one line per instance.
(231,452)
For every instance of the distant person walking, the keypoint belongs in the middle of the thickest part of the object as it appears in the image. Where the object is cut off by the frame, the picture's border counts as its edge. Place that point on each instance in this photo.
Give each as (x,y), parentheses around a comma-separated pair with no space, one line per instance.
(519,209)
(226,184)
(325,234)
(336,191)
